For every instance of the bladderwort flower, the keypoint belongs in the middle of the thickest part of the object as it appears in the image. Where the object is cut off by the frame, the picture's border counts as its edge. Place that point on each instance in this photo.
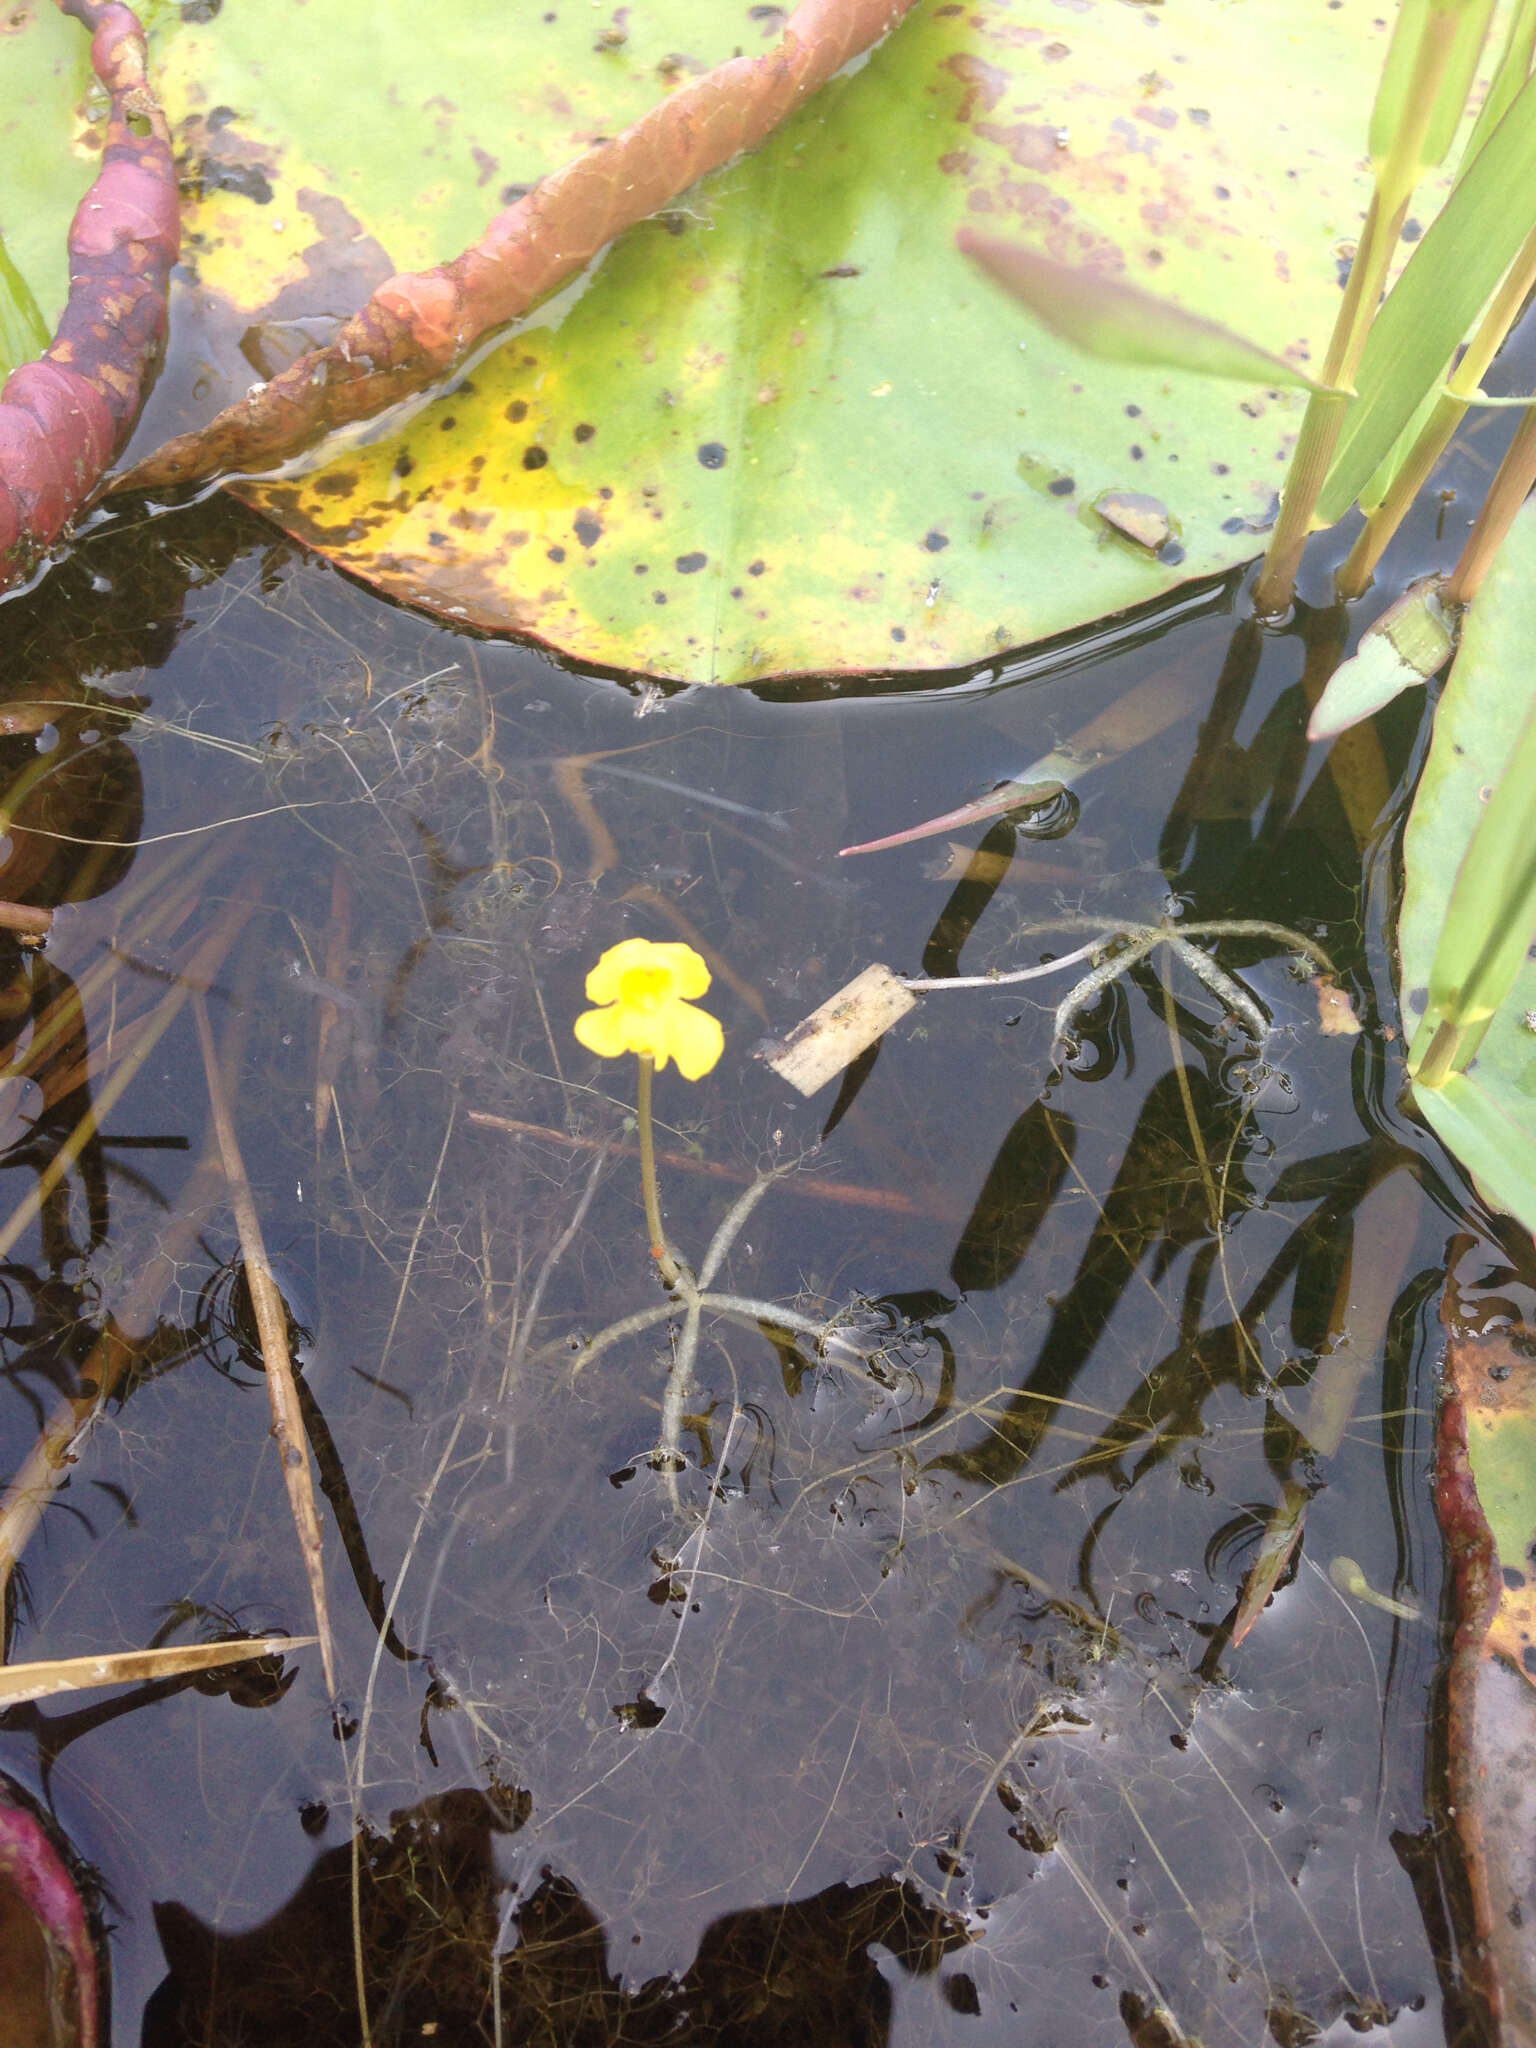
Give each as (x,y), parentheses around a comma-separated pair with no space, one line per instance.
(643,987)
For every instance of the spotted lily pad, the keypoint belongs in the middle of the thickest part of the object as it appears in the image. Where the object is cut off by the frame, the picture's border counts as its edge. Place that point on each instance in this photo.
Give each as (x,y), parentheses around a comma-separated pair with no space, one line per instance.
(788,428)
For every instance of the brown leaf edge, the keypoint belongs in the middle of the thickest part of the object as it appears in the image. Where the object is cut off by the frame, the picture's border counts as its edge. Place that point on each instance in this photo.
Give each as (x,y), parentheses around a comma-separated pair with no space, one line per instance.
(64,417)
(1474,1566)
(418,325)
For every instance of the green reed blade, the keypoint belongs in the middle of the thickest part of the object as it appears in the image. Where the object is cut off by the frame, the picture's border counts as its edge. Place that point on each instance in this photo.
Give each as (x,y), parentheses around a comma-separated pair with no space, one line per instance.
(1449,278)
(1514,67)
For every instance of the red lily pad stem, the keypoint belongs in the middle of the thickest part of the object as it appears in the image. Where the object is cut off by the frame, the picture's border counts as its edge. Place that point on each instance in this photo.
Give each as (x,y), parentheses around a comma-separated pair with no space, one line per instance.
(64,417)
(419,324)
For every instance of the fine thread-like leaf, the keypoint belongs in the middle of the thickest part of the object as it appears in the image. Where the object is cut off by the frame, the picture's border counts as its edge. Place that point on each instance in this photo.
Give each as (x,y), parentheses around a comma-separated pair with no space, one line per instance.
(1121,322)
(1445,285)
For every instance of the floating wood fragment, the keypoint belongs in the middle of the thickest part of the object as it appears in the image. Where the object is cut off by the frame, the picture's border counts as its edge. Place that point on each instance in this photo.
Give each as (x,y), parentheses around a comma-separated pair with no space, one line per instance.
(832,1038)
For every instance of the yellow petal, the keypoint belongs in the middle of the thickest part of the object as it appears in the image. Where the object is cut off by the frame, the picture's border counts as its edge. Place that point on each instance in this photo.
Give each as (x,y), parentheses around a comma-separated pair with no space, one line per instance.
(603,981)
(692,975)
(693,1038)
(602,1031)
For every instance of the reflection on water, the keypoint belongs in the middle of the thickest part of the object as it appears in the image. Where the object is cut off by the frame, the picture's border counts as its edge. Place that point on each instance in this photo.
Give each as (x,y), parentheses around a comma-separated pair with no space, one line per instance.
(909,1709)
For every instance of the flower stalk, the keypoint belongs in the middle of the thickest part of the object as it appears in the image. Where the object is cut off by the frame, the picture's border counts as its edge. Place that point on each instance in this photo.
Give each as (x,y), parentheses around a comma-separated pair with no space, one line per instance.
(659,1249)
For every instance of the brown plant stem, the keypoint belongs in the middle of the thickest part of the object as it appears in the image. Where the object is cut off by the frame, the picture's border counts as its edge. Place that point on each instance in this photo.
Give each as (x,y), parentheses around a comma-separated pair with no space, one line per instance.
(1509,490)
(1320,428)
(272,1330)
(814,1190)
(419,325)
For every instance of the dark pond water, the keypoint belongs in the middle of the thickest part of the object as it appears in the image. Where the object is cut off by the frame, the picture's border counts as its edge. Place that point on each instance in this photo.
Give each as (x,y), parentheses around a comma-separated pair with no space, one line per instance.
(909,1709)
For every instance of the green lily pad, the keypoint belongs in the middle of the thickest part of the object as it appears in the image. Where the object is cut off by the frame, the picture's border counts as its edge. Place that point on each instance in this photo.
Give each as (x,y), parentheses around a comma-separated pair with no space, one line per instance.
(1486,1115)
(788,428)
(51,151)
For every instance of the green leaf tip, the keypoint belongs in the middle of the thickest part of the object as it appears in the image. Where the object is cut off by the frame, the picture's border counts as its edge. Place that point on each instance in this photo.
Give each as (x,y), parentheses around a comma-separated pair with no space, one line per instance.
(1122,323)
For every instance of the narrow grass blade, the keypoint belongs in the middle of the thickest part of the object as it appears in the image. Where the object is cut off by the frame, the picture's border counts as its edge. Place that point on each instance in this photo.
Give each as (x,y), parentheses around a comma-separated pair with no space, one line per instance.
(272,1329)
(1514,67)
(1394,98)
(1449,278)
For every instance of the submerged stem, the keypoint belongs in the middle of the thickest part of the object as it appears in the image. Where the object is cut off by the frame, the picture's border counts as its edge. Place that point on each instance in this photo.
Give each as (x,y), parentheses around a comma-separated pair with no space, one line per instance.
(659,1251)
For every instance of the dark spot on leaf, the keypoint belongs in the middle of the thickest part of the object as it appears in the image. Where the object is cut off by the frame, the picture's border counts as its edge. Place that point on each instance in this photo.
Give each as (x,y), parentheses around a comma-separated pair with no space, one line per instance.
(658,597)
(436,539)
(584,432)
(588,529)
(1062,486)
(220,118)
(340,484)
(1133,412)
(1412,230)
(1221,191)
(1512,1578)
(935,542)
(737,591)
(1200,116)
(1170,555)
(200,10)
(1138,453)
(517,411)
(898,632)
(555,554)
(447,424)
(1528,1658)
(605,490)
(712,454)
(246,181)
(510,194)
(674,223)
(1233,525)
(534,458)
(690,565)
(476,463)
(844,270)
(642,568)
(756,568)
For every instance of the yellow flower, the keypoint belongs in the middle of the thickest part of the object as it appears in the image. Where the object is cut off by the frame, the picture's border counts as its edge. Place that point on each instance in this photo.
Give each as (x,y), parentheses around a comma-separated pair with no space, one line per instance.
(642,986)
